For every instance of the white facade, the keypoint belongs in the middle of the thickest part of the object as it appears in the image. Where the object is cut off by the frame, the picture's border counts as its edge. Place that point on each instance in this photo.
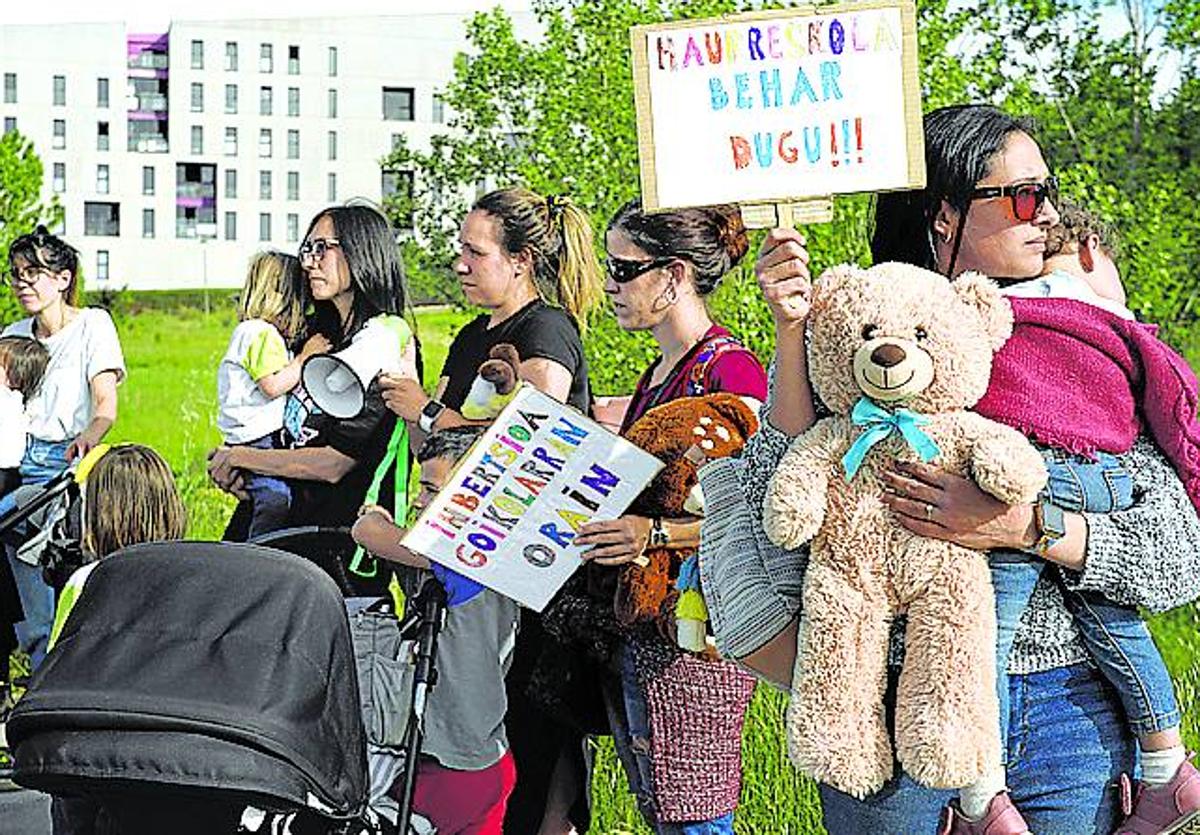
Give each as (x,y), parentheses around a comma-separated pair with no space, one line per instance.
(55,73)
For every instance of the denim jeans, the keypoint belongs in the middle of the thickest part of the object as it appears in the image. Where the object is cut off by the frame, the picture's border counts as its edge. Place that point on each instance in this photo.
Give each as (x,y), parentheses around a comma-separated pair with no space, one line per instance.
(1068,742)
(270,497)
(43,460)
(631,737)
(1116,636)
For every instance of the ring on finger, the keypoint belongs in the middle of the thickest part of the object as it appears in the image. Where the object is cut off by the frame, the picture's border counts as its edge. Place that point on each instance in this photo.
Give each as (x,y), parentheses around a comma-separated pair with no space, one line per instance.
(928,511)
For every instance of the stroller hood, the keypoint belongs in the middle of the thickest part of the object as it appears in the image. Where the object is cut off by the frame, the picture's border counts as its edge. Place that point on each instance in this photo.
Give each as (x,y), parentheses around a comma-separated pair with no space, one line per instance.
(199,667)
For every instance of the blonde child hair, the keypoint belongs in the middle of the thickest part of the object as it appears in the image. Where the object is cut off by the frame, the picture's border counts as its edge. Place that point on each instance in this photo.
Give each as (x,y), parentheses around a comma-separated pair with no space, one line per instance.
(130,498)
(275,292)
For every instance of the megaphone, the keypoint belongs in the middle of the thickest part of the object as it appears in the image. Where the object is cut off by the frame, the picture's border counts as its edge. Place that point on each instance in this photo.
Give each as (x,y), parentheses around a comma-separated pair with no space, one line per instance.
(337,383)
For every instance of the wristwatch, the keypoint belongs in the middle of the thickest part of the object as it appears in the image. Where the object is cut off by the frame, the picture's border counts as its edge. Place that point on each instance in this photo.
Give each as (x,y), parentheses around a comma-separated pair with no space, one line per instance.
(658,534)
(430,414)
(1051,525)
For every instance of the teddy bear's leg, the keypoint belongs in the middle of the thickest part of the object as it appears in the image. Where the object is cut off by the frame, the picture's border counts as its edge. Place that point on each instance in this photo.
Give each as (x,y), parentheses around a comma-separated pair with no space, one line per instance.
(947,718)
(836,728)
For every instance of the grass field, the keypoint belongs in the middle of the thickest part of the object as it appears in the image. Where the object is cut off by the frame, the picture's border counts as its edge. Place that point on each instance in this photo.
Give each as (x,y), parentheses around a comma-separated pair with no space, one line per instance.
(169,402)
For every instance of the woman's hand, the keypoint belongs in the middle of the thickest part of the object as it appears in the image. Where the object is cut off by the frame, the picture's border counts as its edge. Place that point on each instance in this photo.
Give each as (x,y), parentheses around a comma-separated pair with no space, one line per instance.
(315,344)
(403,395)
(224,471)
(616,541)
(84,442)
(783,277)
(931,502)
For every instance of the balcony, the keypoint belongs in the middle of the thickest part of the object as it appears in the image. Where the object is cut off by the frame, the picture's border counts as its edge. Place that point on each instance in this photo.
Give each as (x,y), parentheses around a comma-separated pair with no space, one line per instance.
(149,144)
(148,61)
(196,190)
(147,103)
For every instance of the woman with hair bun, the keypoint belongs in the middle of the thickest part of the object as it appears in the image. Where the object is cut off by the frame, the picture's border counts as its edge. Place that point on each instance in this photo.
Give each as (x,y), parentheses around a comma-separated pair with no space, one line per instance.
(683,756)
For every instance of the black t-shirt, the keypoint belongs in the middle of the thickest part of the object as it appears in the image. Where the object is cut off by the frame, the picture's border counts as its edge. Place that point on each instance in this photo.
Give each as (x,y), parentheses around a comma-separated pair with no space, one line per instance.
(537,331)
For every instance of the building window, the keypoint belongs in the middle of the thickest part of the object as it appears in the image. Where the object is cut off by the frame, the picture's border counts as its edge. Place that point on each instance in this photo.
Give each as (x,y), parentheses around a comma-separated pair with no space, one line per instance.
(264,143)
(293,60)
(231,98)
(398,104)
(148,180)
(331,188)
(102,136)
(293,185)
(264,185)
(397,140)
(102,219)
(333,145)
(231,226)
(147,223)
(60,90)
(102,179)
(231,142)
(10,88)
(231,56)
(197,140)
(60,177)
(266,101)
(293,101)
(332,60)
(293,228)
(102,265)
(293,144)
(197,97)
(264,227)
(10,124)
(102,92)
(332,109)
(60,134)
(197,55)
(399,185)
(195,200)
(439,110)
(266,58)
(231,183)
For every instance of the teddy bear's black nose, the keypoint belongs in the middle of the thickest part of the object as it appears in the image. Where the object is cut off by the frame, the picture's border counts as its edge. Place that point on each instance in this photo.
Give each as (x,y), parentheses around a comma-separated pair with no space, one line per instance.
(888,355)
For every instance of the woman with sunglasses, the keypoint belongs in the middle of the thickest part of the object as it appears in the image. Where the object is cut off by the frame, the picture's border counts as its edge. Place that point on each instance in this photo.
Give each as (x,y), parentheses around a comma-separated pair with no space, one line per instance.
(988,206)
(682,754)
(352,266)
(76,403)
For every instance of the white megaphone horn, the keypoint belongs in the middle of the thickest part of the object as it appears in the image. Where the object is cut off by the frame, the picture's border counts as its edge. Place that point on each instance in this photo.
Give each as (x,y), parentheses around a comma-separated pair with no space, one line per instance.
(338,383)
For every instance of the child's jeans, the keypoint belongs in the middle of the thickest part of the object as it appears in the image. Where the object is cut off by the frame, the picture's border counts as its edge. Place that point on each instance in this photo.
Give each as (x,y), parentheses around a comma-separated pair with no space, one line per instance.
(270,498)
(1116,636)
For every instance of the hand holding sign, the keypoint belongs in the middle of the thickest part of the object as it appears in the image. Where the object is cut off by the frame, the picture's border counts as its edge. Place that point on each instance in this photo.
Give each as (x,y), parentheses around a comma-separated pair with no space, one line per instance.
(783,277)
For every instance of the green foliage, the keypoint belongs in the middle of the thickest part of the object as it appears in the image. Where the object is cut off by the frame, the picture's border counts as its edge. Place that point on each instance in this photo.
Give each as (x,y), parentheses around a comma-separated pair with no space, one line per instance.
(21,206)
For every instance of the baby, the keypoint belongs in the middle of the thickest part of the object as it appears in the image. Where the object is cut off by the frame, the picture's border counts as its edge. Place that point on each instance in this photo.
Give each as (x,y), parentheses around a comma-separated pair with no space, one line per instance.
(23,363)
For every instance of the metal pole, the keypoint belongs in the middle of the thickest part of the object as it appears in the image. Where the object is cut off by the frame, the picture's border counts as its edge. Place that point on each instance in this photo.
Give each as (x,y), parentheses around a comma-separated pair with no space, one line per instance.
(204,259)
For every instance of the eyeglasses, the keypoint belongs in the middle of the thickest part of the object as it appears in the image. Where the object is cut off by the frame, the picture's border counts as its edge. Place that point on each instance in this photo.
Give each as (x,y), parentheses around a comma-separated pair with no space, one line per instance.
(26,277)
(317,247)
(1027,198)
(624,271)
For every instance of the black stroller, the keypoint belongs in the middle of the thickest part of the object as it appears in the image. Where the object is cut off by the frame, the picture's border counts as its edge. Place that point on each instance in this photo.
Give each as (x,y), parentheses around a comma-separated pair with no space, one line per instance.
(202,687)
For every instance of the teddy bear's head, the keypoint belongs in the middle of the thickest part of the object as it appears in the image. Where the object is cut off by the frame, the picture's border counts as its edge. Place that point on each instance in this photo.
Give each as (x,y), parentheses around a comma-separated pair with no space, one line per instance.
(902,335)
(494,385)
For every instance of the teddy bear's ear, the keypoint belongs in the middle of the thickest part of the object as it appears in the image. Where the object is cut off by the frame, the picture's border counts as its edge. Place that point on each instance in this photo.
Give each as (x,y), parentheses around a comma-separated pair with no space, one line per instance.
(983,294)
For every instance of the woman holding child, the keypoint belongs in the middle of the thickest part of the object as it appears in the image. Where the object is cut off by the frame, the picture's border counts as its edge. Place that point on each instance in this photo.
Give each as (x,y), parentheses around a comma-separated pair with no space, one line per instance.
(988,206)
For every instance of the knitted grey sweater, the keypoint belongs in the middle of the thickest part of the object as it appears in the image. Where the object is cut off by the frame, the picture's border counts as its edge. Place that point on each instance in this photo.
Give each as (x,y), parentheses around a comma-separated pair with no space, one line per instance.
(1147,556)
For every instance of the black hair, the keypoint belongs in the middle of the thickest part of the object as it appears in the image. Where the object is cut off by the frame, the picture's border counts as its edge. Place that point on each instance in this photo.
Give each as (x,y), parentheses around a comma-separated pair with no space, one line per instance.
(451,443)
(49,252)
(961,142)
(712,238)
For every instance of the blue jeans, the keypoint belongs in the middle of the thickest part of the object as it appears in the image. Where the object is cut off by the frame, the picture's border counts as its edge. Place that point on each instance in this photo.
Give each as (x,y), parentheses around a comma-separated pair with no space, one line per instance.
(631,737)
(1116,636)
(43,460)
(1068,743)
(270,498)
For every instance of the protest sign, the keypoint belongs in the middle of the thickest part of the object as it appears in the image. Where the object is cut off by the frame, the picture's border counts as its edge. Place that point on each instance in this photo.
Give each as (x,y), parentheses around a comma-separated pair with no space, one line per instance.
(779,106)
(508,514)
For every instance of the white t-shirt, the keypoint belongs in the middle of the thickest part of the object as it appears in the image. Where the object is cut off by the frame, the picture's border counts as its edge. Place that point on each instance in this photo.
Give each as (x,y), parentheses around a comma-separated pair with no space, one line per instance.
(255,350)
(13,427)
(1061,284)
(61,408)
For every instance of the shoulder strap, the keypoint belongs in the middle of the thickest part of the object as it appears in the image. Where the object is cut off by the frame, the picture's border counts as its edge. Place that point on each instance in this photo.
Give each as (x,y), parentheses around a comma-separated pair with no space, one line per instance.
(697,383)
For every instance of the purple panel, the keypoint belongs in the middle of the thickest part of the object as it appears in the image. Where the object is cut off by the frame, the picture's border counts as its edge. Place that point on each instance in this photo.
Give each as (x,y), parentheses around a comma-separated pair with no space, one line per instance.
(191,202)
(147,115)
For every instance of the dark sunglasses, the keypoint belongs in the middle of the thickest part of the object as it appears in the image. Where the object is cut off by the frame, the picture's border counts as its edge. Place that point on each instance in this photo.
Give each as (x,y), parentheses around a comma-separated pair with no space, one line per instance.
(317,247)
(623,271)
(1027,198)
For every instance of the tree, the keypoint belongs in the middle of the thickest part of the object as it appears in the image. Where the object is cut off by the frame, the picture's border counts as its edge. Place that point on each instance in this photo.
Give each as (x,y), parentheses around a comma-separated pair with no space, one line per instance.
(21,206)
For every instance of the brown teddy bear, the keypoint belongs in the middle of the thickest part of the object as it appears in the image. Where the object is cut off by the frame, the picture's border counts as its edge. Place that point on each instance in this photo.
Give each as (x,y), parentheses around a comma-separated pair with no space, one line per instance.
(495,383)
(898,354)
(684,434)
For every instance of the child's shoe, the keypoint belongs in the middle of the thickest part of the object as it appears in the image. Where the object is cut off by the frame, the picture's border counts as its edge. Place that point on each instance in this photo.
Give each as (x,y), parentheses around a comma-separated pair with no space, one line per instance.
(1171,809)
(1001,818)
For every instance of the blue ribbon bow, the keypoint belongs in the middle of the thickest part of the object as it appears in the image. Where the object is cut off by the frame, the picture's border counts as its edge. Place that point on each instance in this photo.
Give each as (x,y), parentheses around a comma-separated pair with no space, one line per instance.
(879,423)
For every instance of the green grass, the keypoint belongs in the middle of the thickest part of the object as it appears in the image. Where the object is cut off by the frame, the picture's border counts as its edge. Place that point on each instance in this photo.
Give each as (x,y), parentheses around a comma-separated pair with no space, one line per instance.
(169,402)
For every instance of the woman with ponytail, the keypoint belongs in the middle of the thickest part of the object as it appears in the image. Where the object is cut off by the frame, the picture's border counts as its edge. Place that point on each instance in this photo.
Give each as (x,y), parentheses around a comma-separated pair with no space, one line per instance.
(529,262)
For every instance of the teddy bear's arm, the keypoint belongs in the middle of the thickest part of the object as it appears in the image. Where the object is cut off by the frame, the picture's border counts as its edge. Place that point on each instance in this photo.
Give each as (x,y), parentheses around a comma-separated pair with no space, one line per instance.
(794,507)
(1004,463)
